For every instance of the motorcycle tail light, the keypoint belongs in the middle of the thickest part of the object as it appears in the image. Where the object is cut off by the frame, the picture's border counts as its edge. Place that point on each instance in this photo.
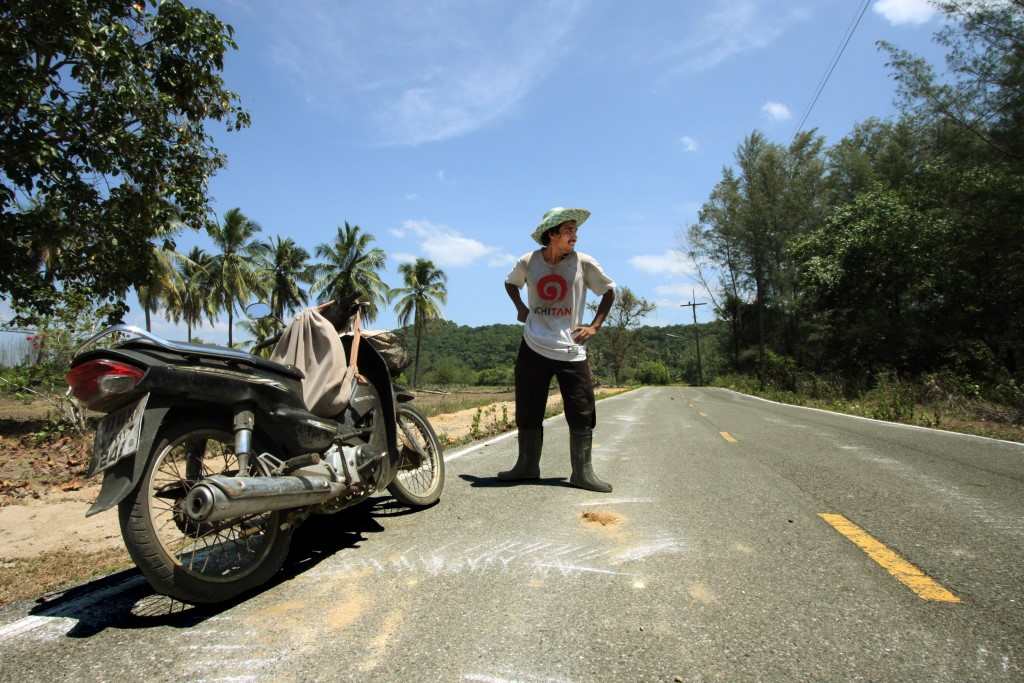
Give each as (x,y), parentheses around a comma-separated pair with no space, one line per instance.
(95,381)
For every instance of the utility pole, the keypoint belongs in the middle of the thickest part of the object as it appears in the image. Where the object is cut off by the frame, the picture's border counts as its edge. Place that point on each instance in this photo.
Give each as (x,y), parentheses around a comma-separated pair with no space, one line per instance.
(696,333)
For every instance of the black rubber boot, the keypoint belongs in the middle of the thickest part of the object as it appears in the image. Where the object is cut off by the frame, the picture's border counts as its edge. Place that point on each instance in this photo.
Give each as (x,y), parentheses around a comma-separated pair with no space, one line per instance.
(528,464)
(583,477)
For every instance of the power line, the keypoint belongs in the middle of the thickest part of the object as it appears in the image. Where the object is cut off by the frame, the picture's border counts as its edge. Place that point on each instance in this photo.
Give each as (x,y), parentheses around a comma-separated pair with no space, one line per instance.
(835,61)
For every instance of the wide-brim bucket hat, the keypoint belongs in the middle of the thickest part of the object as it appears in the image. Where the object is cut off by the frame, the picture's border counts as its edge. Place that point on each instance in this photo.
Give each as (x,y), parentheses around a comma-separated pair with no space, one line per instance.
(555,217)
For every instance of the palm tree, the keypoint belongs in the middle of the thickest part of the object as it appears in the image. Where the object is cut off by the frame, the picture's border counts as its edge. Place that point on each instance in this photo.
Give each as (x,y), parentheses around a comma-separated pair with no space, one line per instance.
(261,329)
(419,300)
(282,265)
(195,300)
(350,271)
(233,278)
(163,282)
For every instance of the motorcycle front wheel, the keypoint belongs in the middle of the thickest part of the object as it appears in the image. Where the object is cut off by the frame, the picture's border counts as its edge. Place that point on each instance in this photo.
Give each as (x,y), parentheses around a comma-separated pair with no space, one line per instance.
(197,562)
(420,477)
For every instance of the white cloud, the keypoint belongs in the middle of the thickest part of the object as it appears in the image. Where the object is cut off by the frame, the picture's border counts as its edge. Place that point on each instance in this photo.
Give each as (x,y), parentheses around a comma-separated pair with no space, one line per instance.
(678,289)
(731,29)
(398,232)
(670,262)
(450,248)
(440,175)
(403,257)
(411,196)
(413,72)
(899,12)
(688,143)
(777,111)
(501,259)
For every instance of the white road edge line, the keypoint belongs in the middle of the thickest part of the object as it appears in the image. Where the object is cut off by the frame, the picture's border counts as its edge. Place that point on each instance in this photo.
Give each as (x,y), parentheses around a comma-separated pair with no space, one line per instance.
(871,419)
(501,437)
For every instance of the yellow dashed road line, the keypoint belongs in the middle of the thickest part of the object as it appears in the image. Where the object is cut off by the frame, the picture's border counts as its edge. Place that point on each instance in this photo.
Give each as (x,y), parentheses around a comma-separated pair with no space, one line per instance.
(728,437)
(910,576)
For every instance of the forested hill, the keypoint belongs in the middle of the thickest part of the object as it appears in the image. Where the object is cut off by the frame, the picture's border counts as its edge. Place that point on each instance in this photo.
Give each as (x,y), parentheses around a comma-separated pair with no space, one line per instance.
(452,352)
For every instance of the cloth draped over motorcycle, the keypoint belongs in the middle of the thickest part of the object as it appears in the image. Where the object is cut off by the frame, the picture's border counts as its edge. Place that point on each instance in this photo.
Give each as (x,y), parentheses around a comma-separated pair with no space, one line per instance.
(311,344)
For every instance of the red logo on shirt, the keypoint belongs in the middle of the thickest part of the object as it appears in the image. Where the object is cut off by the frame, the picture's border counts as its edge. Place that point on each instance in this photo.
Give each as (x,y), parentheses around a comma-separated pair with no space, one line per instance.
(552,287)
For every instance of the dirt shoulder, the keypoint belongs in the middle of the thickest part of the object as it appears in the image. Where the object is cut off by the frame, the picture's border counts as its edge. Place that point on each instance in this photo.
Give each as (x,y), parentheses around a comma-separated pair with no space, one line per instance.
(46,541)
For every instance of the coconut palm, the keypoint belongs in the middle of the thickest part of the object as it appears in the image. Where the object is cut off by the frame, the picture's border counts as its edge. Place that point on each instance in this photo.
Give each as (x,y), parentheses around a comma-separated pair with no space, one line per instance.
(261,329)
(195,300)
(350,272)
(282,266)
(419,300)
(233,277)
(163,283)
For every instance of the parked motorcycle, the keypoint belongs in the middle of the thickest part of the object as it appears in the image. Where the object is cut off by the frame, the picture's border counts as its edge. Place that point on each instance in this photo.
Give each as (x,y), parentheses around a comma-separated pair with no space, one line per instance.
(213,459)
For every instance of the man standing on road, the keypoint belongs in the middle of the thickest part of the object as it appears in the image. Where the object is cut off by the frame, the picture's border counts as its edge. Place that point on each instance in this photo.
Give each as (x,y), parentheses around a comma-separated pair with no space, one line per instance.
(554,343)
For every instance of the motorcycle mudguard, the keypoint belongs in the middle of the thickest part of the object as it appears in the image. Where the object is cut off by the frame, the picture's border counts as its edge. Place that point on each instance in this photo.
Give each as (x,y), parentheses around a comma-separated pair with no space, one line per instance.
(121,479)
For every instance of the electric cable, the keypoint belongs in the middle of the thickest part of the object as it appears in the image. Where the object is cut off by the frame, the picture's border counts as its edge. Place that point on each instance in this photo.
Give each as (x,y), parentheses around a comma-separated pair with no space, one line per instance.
(835,61)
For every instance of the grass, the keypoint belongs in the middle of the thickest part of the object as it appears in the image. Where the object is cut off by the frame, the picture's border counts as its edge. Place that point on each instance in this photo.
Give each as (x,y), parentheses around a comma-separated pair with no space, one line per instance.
(461,399)
(30,577)
(895,401)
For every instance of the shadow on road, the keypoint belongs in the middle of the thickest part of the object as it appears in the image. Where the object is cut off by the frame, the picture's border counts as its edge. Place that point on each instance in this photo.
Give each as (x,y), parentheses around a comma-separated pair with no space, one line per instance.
(125,600)
(494,482)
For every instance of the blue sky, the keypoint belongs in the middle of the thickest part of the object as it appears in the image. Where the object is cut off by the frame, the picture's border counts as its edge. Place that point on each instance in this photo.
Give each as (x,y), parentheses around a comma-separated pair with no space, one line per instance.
(446,129)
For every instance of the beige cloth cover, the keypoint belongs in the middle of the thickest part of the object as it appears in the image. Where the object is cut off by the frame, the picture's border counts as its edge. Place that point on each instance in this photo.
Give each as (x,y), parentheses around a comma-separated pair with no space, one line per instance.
(311,344)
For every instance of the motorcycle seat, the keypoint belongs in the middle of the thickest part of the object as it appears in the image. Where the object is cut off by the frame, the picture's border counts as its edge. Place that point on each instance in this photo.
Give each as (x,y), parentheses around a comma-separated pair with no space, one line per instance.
(224,353)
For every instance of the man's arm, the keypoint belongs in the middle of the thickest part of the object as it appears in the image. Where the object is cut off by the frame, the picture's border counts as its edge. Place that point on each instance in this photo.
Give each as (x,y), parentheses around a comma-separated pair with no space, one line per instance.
(521,309)
(584,332)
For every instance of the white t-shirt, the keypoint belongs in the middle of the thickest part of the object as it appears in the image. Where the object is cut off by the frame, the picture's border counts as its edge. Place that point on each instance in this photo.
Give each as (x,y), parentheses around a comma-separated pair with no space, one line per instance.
(556,296)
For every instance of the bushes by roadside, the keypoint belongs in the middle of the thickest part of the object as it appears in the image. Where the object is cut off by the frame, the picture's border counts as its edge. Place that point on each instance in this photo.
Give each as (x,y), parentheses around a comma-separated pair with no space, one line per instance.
(942,400)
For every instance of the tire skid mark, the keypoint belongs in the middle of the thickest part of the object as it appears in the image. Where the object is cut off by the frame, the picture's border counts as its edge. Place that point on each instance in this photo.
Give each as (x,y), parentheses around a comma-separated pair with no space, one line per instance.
(510,557)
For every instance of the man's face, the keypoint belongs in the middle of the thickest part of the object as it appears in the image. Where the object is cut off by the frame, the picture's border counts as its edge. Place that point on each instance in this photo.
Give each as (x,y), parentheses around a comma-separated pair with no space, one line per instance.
(565,238)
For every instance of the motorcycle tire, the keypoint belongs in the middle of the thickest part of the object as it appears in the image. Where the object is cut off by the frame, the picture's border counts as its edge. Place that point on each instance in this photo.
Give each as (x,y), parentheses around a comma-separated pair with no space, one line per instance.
(146,527)
(420,487)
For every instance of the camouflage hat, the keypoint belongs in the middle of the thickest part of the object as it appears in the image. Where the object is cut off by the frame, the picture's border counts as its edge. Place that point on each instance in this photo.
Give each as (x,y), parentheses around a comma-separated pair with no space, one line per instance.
(555,217)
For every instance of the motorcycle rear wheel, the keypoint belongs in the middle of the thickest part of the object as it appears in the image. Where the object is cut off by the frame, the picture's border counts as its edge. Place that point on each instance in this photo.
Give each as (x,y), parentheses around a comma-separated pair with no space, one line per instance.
(197,562)
(422,485)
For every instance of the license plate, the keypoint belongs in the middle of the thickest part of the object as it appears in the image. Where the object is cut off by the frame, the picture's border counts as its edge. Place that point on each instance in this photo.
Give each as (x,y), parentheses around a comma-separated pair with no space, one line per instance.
(117,436)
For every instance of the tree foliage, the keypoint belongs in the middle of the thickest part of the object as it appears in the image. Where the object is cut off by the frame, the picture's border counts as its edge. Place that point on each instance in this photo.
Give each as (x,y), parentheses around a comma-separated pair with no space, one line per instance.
(234,277)
(420,300)
(900,249)
(350,271)
(103,107)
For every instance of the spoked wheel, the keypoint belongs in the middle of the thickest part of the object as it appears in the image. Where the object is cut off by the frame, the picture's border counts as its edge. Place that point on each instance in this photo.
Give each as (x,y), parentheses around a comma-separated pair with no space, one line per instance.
(191,561)
(420,477)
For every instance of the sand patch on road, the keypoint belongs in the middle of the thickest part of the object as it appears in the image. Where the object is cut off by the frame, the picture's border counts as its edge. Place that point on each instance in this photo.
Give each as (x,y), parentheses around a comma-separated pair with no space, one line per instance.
(601,518)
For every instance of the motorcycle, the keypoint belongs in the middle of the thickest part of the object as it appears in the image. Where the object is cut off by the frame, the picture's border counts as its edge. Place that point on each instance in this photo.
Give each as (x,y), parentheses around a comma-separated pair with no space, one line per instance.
(213,459)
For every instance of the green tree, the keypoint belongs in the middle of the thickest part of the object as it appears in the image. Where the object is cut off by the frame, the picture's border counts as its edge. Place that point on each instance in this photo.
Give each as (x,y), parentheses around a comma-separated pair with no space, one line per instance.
(972,121)
(233,276)
(196,301)
(283,265)
(420,300)
(163,283)
(747,226)
(713,240)
(350,273)
(103,105)
(653,372)
(261,330)
(619,330)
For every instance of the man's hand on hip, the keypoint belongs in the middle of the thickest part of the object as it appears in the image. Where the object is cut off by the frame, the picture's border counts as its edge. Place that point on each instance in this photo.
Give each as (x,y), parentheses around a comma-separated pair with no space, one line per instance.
(583,333)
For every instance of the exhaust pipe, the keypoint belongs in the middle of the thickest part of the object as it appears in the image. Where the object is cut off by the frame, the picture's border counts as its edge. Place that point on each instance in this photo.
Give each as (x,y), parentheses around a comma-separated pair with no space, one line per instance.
(217,498)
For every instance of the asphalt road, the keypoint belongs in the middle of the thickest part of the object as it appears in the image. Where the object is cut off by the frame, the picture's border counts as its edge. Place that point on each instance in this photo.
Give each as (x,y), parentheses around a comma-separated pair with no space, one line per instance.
(714,562)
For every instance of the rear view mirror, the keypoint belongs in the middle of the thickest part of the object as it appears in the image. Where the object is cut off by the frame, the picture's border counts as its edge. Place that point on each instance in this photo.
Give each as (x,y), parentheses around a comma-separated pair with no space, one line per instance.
(257,310)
